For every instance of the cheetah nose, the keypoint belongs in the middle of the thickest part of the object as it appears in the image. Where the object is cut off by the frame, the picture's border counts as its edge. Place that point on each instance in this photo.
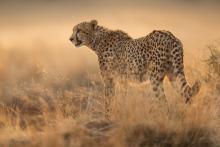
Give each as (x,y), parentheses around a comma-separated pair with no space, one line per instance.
(71,39)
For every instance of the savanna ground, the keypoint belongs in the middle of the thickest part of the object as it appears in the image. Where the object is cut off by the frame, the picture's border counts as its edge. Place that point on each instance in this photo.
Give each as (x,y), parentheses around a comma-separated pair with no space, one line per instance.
(51,94)
(40,107)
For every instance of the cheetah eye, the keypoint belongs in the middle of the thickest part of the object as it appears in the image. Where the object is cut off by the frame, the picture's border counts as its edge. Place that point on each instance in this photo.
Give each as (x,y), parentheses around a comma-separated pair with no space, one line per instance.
(79,30)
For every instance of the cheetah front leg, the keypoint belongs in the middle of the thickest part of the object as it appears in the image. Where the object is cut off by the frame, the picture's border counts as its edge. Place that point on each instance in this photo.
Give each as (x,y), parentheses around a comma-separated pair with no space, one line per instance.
(109,89)
(107,73)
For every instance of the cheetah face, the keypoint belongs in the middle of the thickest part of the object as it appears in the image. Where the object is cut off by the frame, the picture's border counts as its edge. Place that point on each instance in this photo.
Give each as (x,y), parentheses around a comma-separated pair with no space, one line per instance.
(83,33)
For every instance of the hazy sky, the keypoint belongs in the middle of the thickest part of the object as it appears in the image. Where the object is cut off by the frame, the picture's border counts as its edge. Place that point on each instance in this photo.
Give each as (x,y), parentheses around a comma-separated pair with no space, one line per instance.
(22,22)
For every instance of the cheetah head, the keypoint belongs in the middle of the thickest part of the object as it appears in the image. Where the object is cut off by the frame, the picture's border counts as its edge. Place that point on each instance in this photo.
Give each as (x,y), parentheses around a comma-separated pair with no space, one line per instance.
(83,33)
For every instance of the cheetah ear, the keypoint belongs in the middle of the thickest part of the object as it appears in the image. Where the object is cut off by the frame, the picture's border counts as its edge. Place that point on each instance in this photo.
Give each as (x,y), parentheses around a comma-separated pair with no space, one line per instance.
(94,24)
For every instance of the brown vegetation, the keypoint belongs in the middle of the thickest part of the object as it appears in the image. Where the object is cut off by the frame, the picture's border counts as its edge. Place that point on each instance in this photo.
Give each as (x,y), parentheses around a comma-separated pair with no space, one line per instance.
(42,107)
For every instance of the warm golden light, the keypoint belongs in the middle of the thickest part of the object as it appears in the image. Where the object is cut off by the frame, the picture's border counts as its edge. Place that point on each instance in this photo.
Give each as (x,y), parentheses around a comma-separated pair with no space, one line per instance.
(51,93)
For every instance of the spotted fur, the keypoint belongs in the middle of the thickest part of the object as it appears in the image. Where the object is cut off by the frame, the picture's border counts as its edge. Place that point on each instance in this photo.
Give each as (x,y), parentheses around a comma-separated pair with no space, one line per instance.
(155,55)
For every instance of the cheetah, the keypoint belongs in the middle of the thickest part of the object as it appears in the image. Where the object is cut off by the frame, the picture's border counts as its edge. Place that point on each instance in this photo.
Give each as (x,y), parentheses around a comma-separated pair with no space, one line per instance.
(157,55)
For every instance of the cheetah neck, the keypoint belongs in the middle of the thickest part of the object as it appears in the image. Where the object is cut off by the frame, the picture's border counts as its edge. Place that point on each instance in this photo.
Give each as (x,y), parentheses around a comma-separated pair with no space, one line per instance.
(102,34)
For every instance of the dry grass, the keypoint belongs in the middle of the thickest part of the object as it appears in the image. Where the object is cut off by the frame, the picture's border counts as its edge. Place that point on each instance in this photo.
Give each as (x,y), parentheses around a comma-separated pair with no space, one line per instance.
(39,107)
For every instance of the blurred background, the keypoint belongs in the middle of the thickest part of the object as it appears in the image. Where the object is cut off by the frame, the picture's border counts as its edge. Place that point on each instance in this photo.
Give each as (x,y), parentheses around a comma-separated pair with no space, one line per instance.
(41,29)
(51,93)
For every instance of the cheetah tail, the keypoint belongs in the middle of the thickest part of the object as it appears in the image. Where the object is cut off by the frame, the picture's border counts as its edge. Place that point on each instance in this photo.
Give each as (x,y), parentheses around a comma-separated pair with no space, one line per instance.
(193,91)
(196,87)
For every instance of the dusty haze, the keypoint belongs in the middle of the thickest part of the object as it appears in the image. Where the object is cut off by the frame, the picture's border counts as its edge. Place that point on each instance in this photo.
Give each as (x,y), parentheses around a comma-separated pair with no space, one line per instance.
(26,22)
(47,25)
(51,93)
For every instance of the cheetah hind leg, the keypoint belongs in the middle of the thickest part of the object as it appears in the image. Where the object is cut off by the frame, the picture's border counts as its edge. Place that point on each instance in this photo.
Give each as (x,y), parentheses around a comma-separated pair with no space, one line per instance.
(158,89)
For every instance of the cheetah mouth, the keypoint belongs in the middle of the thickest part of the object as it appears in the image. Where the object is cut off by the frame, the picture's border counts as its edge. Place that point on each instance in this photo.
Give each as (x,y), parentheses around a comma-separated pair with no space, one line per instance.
(78,43)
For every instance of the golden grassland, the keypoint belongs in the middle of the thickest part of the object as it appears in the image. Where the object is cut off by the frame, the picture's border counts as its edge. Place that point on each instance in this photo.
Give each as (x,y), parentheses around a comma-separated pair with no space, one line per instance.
(42,107)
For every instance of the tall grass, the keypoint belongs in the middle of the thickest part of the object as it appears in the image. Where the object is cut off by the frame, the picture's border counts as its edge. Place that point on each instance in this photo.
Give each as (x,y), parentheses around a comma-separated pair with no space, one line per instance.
(41,107)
